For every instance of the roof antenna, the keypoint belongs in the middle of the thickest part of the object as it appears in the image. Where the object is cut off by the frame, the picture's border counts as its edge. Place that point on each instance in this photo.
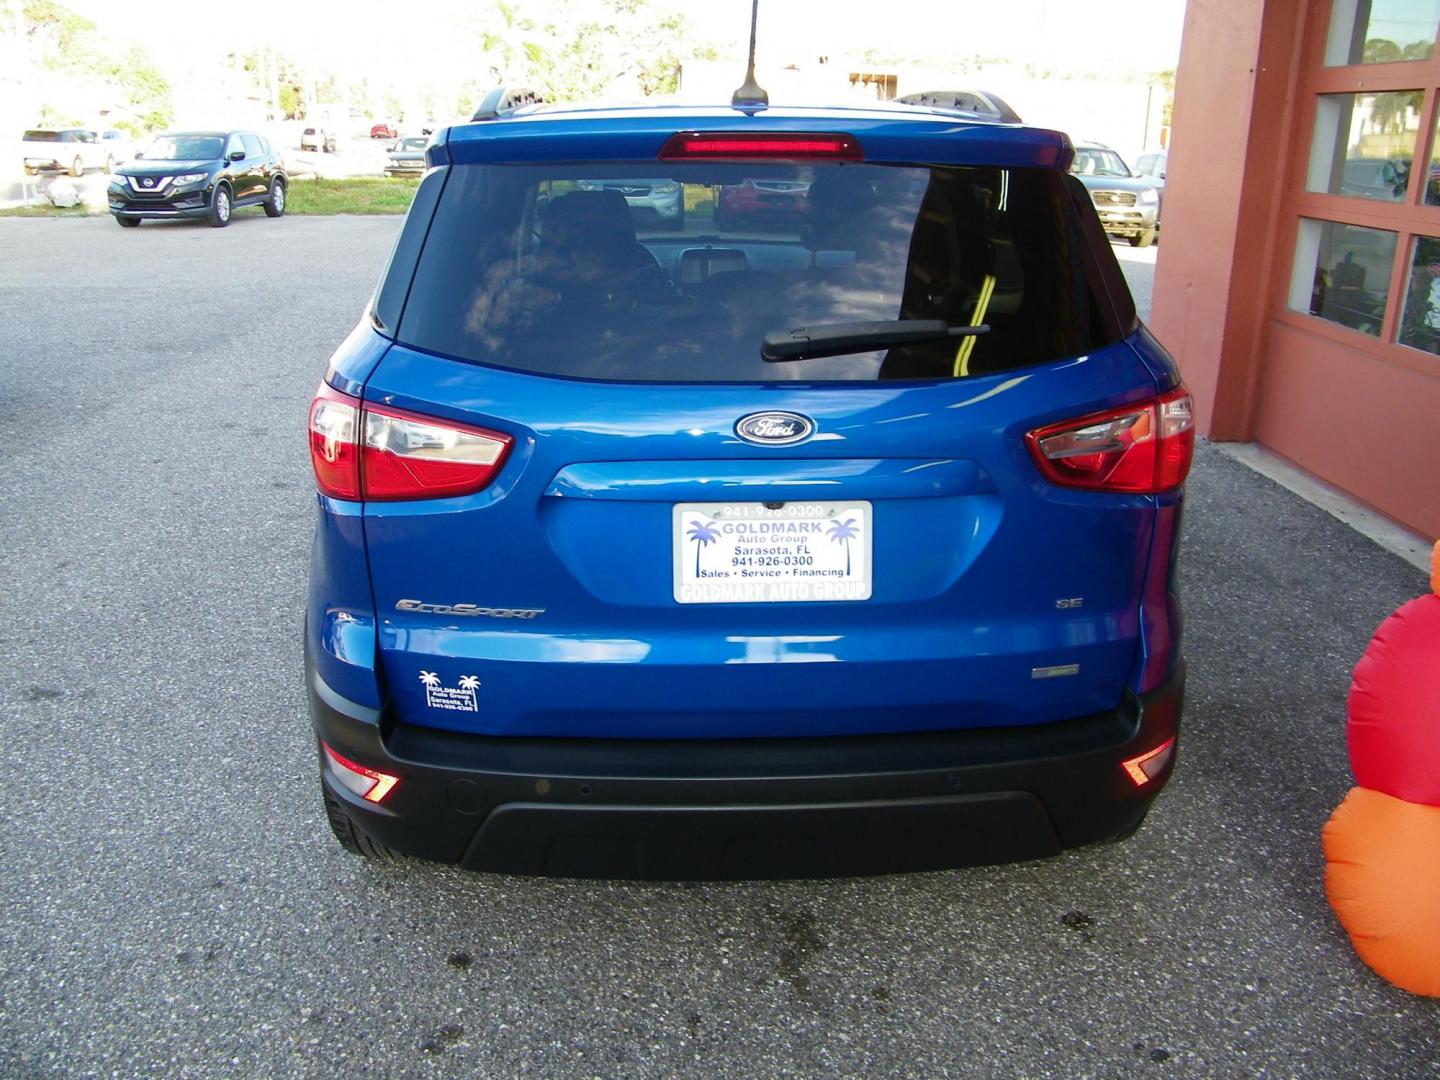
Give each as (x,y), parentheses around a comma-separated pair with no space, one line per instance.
(751,95)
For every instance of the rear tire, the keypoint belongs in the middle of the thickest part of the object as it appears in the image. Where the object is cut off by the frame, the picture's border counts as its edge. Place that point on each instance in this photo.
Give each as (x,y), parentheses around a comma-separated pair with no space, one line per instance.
(128,222)
(351,838)
(221,207)
(77,167)
(275,203)
(1144,240)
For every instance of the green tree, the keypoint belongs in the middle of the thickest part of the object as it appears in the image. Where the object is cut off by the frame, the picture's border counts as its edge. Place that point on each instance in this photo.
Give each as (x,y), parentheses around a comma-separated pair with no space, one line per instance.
(1385,51)
(58,36)
(70,46)
(583,48)
(143,91)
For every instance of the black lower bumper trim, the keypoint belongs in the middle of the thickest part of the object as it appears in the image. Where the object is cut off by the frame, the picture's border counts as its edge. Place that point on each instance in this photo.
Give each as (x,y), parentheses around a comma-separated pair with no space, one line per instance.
(756,808)
(738,842)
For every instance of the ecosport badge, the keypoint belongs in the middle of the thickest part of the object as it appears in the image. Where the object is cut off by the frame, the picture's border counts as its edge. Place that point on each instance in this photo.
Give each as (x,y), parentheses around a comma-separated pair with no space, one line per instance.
(774,428)
(469,610)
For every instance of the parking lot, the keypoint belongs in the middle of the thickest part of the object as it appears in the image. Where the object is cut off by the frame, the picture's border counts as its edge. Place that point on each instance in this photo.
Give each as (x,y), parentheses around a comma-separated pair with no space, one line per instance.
(355,155)
(176,906)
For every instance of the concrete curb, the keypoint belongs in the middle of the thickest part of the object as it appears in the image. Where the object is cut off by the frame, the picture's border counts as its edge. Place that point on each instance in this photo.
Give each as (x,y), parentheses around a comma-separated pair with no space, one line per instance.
(1394,538)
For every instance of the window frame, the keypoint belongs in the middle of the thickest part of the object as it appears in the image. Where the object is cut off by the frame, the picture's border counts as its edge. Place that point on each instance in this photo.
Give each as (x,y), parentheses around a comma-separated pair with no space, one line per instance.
(1408,218)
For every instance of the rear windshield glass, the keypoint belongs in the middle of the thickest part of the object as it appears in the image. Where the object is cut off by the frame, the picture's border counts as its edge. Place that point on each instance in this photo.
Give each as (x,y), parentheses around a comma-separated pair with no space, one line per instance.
(42,136)
(677,272)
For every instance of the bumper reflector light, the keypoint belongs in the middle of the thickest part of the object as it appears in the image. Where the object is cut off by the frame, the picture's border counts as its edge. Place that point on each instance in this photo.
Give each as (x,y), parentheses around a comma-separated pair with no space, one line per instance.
(370,785)
(1145,768)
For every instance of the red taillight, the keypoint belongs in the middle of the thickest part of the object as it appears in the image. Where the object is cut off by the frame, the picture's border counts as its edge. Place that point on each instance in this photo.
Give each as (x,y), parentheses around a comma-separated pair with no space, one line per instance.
(370,784)
(415,457)
(1144,449)
(372,452)
(690,145)
(334,449)
(1147,766)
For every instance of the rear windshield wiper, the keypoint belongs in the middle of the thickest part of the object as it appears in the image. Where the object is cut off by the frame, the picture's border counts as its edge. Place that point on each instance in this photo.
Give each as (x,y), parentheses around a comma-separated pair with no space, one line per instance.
(837,339)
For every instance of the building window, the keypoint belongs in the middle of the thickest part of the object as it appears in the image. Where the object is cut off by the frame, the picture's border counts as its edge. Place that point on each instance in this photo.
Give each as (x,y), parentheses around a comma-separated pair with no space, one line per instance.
(1381,31)
(1432,174)
(1364,144)
(1420,317)
(1342,273)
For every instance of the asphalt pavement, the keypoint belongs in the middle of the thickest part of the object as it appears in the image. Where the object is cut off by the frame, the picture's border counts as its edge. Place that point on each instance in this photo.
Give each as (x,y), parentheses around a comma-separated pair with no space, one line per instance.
(175,906)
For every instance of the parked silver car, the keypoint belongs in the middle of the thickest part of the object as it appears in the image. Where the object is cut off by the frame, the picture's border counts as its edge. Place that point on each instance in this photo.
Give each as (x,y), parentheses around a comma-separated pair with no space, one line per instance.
(660,200)
(407,156)
(1128,205)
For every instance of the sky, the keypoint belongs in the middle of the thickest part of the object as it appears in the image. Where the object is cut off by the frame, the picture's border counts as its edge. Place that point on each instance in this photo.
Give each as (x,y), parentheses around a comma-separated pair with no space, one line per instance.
(1056,34)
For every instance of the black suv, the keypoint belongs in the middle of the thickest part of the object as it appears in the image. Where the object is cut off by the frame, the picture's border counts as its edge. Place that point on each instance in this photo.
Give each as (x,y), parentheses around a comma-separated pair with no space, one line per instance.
(199,174)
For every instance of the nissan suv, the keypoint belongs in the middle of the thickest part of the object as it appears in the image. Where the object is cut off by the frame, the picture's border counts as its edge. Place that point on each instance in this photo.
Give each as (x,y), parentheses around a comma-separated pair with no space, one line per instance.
(844,543)
(206,175)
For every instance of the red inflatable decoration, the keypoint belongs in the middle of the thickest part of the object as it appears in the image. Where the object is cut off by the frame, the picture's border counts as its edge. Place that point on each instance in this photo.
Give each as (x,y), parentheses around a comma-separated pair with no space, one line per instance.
(1382,844)
(1394,706)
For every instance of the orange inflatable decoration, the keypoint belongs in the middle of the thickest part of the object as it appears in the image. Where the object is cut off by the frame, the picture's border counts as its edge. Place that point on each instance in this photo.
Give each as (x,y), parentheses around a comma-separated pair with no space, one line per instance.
(1382,844)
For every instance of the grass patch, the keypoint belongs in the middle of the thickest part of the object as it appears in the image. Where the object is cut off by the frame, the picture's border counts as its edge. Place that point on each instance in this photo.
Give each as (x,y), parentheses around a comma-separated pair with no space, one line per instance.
(357,195)
(44,209)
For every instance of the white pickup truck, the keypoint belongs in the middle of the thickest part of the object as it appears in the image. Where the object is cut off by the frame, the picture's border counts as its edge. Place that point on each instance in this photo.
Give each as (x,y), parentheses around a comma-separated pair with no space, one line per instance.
(71,149)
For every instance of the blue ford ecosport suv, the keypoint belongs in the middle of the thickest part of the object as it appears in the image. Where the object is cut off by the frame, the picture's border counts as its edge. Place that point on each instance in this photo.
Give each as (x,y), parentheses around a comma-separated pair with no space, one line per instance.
(838,540)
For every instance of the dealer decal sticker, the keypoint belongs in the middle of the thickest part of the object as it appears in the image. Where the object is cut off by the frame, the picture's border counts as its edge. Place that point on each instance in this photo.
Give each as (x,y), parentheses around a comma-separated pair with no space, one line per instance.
(460,698)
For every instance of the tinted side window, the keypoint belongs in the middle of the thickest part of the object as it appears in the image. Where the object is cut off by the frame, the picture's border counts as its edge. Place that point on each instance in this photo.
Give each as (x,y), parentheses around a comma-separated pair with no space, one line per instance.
(1116,313)
(253,147)
(610,271)
(233,145)
(395,282)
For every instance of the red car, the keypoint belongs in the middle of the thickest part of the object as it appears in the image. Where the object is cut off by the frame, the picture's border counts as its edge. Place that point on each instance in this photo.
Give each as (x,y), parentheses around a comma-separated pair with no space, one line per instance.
(761,200)
(383,130)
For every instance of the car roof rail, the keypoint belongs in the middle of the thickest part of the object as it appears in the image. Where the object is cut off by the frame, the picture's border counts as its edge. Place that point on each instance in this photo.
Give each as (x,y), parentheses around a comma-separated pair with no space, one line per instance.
(506,99)
(982,103)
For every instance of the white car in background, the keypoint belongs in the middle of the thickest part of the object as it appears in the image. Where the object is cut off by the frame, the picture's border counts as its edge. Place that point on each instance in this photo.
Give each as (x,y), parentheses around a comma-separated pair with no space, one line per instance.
(317,138)
(72,150)
(119,148)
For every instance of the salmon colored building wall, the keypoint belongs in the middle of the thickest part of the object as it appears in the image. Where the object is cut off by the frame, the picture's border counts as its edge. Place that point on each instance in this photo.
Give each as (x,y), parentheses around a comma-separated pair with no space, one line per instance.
(1361,412)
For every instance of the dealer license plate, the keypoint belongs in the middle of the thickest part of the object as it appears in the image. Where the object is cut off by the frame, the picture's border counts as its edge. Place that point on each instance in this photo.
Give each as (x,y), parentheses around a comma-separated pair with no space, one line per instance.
(763,553)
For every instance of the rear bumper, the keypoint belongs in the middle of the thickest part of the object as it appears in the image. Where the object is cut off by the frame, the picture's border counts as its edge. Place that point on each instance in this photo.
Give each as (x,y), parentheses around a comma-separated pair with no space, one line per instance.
(754,808)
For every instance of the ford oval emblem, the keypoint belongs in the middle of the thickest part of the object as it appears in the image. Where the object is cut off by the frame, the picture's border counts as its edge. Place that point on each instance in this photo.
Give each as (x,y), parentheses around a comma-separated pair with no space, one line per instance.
(774,428)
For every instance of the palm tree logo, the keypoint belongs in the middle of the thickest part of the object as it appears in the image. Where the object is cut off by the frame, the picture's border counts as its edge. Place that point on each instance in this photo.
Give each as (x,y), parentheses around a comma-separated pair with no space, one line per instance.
(702,532)
(430,679)
(842,532)
(469,682)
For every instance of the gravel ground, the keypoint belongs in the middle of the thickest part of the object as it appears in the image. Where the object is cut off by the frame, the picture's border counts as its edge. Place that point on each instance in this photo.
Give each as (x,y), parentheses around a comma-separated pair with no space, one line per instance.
(174,904)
